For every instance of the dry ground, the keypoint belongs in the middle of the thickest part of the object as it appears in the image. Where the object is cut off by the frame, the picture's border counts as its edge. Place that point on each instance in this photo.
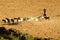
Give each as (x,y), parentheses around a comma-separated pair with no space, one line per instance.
(28,8)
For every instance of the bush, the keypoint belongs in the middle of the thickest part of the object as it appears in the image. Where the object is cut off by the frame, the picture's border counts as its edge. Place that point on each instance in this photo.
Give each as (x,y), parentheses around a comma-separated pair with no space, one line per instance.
(11,34)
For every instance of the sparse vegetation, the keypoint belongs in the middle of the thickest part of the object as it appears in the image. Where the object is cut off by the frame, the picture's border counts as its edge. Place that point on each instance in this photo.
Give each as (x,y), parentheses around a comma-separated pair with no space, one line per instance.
(11,34)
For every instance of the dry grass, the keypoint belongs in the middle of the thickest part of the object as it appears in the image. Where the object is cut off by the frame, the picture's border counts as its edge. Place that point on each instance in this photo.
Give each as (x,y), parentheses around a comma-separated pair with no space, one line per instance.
(26,8)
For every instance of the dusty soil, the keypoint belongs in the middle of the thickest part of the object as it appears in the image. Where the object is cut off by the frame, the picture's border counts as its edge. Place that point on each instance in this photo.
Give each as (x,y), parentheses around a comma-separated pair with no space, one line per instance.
(32,8)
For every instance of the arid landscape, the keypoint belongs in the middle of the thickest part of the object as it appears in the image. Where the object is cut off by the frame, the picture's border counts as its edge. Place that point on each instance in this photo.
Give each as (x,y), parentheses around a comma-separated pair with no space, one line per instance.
(33,8)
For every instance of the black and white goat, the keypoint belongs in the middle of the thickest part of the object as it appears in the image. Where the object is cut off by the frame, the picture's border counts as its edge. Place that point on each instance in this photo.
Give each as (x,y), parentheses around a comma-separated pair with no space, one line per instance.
(6,20)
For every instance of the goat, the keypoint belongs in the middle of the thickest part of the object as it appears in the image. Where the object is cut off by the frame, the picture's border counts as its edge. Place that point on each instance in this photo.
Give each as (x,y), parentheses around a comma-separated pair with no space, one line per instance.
(26,19)
(14,21)
(32,19)
(20,19)
(8,20)
(40,18)
(4,20)
(47,17)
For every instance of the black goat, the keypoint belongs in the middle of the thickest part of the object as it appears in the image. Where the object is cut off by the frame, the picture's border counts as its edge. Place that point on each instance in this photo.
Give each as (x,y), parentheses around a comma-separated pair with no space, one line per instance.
(47,17)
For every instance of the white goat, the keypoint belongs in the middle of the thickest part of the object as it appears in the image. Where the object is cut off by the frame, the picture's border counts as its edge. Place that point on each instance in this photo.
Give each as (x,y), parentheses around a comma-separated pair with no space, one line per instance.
(32,19)
(20,20)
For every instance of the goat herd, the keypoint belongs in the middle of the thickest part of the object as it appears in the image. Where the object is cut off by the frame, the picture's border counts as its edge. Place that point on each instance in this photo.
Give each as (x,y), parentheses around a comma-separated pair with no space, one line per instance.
(28,19)
(19,19)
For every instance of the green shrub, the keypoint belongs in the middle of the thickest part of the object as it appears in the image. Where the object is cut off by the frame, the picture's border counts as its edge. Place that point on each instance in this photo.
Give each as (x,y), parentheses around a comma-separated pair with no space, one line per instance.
(13,35)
